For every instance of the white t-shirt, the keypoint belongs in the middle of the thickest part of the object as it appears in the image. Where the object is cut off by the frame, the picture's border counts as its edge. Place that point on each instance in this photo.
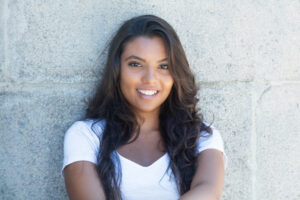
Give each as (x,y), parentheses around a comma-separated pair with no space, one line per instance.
(137,182)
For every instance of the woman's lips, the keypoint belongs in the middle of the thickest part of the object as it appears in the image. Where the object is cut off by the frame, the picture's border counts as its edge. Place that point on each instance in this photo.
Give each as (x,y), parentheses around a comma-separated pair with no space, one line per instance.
(147,94)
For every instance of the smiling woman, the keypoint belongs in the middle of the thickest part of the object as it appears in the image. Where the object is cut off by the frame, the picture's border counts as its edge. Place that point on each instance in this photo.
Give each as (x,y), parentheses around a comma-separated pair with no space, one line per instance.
(142,136)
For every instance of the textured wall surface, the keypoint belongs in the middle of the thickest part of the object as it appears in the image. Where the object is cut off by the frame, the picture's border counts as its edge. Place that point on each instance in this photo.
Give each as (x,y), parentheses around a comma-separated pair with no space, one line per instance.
(245,54)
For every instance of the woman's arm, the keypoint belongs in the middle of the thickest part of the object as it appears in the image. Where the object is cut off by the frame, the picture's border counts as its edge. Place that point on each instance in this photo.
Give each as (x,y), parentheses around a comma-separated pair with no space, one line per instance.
(82,181)
(208,180)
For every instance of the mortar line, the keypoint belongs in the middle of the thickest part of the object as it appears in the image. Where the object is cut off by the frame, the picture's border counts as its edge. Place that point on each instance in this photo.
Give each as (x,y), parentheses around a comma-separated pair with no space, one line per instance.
(5,35)
(273,82)
(283,82)
(253,142)
(24,84)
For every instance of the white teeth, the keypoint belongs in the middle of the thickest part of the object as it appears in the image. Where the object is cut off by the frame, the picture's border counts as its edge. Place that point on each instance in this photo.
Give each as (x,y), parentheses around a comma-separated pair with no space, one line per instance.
(148,92)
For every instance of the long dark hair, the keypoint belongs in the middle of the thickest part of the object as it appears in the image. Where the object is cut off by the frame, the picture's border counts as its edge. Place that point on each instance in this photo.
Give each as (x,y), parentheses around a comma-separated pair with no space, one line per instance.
(180,120)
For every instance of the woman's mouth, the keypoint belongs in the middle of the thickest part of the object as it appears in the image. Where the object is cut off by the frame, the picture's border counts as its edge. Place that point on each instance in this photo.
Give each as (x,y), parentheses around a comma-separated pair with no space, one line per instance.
(147,93)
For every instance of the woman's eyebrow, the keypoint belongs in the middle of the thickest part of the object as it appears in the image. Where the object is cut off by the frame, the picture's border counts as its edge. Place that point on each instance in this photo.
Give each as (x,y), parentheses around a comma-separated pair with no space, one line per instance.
(141,59)
(162,60)
(134,57)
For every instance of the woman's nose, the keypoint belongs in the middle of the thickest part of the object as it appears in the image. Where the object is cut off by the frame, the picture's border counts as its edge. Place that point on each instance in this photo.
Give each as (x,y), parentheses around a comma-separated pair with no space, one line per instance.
(149,74)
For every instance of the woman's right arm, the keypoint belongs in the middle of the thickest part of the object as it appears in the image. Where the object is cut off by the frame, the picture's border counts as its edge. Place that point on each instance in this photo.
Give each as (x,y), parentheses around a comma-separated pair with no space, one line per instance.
(82,181)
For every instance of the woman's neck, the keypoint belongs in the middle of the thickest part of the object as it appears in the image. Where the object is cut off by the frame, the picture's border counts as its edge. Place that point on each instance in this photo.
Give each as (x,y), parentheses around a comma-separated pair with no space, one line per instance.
(149,122)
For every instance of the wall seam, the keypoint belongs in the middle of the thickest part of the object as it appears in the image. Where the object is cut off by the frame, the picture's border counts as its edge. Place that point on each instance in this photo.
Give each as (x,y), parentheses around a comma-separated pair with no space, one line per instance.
(254,142)
(277,83)
(5,36)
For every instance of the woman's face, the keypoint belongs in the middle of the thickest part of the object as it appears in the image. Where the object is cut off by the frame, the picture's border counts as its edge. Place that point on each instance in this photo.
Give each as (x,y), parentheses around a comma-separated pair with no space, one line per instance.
(146,81)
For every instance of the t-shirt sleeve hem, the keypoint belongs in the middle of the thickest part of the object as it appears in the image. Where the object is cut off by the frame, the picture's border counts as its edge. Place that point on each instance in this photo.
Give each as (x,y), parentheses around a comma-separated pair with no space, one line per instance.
(225,159)
(212,141)
(70,160)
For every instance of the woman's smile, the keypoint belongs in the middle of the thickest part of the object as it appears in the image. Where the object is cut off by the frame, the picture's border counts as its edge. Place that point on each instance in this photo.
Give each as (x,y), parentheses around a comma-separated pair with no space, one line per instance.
(147,94)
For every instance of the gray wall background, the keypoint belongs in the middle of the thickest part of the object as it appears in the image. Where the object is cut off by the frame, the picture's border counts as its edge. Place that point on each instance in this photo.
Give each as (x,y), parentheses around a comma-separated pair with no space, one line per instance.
(245,54)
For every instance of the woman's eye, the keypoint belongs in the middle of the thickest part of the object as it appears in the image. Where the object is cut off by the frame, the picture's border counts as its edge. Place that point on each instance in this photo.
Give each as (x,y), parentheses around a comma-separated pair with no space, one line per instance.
(164,66)
(134,64)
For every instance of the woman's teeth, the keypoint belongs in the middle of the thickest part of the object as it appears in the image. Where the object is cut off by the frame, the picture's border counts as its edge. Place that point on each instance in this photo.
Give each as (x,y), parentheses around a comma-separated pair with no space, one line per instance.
(148,92)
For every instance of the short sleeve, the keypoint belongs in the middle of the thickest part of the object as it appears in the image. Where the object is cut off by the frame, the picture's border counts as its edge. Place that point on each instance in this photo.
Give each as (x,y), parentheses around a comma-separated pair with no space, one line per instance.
(80,144)
(212,141)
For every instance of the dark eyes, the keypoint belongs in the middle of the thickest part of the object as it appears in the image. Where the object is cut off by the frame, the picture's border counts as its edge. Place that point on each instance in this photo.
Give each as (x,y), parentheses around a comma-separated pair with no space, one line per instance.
(164,66)
(135,64)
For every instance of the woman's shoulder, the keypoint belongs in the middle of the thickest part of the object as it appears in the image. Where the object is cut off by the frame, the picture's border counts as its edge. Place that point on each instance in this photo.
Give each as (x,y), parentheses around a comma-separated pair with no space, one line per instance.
(213,137)
(82,141)
(87,127)
(205,133)
(211,140)
(84,134)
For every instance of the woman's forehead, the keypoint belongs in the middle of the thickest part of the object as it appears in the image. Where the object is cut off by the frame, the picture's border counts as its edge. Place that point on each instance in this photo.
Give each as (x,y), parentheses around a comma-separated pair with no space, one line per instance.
(151,47)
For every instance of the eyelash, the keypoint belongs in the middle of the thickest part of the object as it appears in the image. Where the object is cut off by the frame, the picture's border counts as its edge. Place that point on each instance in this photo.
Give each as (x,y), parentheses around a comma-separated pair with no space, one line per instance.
(167,67)
(135,64)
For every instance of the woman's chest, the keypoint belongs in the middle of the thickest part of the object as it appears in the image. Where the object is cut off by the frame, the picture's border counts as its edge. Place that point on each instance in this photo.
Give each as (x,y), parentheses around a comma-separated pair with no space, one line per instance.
(143,152)
(150,182)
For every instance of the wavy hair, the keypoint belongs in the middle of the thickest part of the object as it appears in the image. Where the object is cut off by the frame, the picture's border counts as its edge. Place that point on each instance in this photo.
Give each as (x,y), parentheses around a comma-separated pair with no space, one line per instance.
(180,120)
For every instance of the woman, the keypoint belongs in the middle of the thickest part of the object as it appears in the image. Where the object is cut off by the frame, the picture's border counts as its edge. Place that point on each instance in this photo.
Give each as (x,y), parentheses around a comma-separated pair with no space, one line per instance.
(142,136)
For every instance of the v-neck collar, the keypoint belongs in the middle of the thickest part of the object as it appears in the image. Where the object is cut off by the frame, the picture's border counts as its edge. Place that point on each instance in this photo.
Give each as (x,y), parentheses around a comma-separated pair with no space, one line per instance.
(141,166)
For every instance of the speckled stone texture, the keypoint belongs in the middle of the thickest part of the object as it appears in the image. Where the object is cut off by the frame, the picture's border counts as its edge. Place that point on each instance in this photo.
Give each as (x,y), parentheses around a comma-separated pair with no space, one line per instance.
(2,44)
(278,137)
(245,55)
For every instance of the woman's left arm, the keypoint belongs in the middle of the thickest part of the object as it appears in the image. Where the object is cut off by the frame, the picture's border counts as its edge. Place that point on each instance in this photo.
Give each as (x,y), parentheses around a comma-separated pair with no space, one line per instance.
(208,180)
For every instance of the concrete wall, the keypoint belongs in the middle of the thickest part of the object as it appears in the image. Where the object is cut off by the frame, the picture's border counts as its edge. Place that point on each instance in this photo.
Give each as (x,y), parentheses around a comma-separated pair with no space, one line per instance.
(246,56)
